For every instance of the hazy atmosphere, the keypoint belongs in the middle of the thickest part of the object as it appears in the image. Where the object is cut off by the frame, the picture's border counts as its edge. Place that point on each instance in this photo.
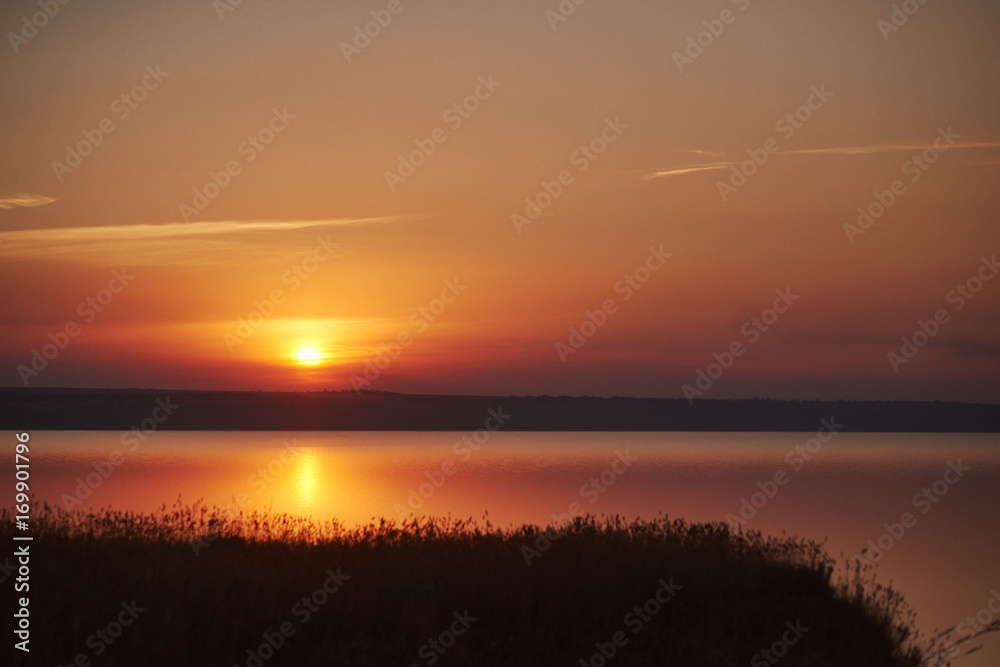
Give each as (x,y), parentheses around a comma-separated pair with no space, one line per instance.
(510,198)
(570,332)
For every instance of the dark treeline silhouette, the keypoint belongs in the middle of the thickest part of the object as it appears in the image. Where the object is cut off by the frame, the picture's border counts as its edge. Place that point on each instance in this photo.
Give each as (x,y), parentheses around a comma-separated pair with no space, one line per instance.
(123,409)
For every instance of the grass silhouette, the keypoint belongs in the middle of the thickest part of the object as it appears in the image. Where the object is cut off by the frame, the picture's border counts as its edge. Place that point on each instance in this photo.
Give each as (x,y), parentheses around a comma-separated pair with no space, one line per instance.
(214,587)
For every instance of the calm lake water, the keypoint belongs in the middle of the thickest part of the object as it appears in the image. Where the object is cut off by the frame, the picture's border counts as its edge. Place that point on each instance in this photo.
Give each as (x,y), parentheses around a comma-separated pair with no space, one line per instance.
(846,491)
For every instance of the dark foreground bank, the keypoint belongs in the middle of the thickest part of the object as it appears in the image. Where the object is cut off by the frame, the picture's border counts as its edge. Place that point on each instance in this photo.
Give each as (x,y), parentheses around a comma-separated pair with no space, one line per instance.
(124,409)
(193,587)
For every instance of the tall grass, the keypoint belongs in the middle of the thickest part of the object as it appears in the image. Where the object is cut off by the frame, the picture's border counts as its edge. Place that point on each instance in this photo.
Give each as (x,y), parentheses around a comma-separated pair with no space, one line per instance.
(209,601)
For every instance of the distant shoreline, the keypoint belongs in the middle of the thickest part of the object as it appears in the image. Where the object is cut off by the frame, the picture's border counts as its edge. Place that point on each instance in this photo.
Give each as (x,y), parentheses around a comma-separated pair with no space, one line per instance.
(124,409)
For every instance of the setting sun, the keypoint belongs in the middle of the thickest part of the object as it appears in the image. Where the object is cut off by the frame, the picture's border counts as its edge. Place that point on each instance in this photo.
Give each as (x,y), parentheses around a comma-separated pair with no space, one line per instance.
(365,304)
(309,356)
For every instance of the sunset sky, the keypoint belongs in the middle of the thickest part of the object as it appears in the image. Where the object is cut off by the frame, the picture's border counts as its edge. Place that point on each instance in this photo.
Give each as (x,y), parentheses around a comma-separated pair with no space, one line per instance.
(181,165)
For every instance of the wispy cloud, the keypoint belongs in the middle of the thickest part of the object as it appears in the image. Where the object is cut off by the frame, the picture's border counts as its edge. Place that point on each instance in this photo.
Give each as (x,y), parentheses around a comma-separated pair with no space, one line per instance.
(24,200)
(698,151)
(173,243)
(889,148)
(693,168)
(836,150)
(181,229)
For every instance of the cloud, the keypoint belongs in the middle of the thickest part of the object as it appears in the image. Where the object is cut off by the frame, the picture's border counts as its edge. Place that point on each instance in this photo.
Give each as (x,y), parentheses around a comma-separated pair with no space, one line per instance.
(837,150)
(112,233)
(24,200)
(890,148)
(687,170)
(173,243)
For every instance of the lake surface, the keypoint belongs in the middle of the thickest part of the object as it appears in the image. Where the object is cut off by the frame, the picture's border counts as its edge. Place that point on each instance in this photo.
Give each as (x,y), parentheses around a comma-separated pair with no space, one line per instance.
(944,557)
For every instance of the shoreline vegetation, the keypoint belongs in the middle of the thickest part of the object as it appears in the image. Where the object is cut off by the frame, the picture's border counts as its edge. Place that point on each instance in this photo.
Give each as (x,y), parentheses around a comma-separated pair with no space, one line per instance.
(366,410)
(193,585)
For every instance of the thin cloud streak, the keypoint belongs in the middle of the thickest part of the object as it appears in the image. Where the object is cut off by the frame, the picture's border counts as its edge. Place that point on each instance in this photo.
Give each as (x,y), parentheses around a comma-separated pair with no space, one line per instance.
(169,243)
(889,148)
(24,200)
(689,170)
(841,150)
(178,229)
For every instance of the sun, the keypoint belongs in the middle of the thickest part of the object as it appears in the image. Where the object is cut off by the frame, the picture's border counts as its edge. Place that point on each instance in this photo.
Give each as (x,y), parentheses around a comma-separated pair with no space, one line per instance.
(309,356)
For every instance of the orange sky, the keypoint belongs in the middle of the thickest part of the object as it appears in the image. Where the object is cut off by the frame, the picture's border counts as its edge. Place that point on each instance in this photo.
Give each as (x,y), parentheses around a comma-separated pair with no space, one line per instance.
(261,152)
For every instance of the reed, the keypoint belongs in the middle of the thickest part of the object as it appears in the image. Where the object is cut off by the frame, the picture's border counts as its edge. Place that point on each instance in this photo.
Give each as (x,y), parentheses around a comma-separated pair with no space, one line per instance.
(218,589)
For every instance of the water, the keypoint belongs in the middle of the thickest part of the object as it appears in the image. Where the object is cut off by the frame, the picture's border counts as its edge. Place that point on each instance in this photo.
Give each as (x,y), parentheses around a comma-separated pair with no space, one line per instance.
(946,561)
